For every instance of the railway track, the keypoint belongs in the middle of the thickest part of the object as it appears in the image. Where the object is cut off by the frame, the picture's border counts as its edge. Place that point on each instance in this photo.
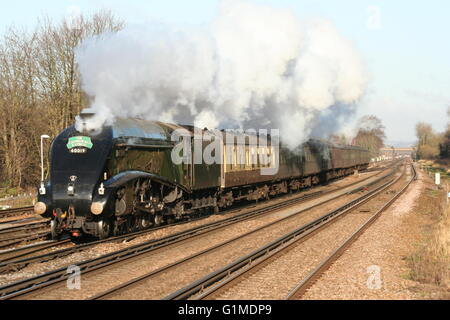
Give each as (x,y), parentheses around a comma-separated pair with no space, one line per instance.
(13,241)
(262,270)
(24,233)
(140,286)
(382,166)
(51,281)
(14,263)
(24,229)
(300,289)
(35,248)
(16,212)
(171,273)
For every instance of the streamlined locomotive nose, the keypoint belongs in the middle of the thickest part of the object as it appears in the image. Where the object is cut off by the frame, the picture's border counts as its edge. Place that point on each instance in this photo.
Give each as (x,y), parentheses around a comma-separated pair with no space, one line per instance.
(77,165)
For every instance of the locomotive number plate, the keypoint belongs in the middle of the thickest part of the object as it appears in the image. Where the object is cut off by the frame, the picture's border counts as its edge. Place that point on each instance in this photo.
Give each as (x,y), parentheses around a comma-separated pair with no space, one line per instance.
(78,150)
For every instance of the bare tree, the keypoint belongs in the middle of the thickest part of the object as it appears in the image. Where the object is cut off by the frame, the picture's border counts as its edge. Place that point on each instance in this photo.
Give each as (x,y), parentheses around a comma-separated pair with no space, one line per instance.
(17,104)
(40,88)
(339,139)
(370,134)
(428,141)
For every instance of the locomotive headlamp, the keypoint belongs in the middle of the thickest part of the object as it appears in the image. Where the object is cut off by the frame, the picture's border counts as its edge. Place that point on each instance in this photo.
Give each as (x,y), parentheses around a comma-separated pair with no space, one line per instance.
(101,189)
(40,208)
(70,189)
(96,208)
(42,190)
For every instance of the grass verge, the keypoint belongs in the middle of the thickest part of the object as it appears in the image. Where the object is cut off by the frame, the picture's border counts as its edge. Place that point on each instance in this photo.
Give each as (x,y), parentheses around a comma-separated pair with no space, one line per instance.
(430,263)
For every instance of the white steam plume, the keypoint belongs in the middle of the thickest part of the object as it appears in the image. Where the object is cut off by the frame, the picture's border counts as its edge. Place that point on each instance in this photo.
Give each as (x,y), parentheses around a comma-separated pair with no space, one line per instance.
(253,66)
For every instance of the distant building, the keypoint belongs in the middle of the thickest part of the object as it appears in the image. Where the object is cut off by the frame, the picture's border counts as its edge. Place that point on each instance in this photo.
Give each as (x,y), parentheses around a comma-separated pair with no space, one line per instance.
(392,152)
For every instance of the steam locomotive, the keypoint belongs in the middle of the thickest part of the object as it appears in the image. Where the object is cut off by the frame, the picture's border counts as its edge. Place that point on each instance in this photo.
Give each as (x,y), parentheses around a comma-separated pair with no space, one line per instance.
(123,178)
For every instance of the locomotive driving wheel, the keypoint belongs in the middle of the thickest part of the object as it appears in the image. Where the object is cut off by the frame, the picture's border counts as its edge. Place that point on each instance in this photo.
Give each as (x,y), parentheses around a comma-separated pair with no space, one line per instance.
(103,229)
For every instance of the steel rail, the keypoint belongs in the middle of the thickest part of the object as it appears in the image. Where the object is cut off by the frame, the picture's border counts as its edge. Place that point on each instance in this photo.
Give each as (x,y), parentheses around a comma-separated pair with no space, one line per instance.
(28,285)
(24,227)
(9,242)
(15,264)
(51,277)
(300,289)
(11,254)
(15,211)
(145,277)
(236,266)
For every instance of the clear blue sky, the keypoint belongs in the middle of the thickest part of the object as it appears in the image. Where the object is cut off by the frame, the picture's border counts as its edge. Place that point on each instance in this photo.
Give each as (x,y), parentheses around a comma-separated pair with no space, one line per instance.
(405,44)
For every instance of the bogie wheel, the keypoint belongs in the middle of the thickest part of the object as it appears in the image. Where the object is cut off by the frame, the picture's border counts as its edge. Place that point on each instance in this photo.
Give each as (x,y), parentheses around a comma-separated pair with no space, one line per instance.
(140,223)
(120,227)
(127,225)
(145,222)
(170,219)
(158,219)
(132,224)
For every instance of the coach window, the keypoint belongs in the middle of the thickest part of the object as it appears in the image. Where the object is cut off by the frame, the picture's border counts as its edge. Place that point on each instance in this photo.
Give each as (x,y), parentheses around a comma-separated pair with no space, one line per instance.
(225,164)
(266,157)
(241,157)
(234,159)
(228,159)
(258,160)
(252,157)
(247,157)
(263,157)
(225,160)
(231,158)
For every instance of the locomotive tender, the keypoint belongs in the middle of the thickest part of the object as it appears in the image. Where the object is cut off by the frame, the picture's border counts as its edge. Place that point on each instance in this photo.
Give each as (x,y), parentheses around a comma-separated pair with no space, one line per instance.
(123,179)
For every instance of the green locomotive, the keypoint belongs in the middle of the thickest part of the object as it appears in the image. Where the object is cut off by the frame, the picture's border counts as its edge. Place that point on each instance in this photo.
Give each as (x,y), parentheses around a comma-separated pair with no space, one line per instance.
(123,178)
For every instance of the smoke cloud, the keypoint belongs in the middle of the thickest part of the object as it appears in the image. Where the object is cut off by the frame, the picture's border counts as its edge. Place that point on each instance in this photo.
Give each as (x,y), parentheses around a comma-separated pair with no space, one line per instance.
(252,66)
